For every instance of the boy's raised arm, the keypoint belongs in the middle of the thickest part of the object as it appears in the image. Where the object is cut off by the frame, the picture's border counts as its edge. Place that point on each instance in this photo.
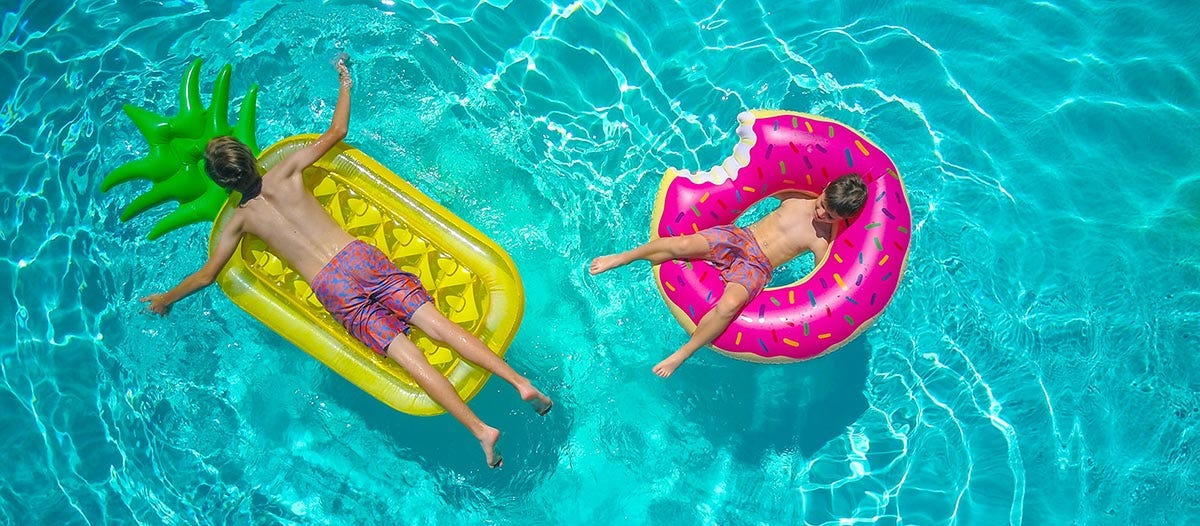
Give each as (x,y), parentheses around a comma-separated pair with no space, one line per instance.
(337,129)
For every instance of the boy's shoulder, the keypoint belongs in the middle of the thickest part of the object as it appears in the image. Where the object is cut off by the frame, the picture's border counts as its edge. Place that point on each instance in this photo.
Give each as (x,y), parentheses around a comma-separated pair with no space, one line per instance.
(792,195)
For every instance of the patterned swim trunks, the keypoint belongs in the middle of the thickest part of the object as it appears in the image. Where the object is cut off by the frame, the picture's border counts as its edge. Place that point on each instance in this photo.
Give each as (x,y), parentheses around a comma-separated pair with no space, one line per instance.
(736,253)
(369,295)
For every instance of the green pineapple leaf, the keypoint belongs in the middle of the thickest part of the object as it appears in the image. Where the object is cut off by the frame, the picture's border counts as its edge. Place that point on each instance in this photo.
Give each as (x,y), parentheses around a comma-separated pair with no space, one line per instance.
(175,163)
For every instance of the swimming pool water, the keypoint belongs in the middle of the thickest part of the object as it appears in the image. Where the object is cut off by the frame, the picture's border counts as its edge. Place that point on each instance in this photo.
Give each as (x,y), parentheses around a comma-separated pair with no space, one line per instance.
(1037,365)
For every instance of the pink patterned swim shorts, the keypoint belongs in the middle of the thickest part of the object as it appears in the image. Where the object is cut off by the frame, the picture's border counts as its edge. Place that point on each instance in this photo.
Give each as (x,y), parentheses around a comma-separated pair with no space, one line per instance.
(736,253)
(369,295)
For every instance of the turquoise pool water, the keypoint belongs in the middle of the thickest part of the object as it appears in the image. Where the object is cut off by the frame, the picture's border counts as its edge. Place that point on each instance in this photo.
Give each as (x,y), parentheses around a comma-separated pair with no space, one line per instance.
(1038,365)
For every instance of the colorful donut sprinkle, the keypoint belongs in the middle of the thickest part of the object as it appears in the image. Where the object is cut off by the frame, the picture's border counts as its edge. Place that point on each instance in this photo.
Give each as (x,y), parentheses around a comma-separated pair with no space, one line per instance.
(781,151)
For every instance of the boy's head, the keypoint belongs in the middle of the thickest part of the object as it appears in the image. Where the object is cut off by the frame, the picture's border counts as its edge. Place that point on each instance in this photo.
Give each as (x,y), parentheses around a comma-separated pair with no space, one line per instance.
(844,197)
(230,164)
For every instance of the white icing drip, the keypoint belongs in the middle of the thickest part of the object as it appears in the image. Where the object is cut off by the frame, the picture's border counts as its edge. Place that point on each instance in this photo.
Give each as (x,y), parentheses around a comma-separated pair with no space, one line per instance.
(742,152)
(733,164)
(740,158)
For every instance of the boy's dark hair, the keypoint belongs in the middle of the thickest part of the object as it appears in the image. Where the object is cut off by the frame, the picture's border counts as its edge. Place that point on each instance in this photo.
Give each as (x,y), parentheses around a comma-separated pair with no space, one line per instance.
(846,195)
(230,164)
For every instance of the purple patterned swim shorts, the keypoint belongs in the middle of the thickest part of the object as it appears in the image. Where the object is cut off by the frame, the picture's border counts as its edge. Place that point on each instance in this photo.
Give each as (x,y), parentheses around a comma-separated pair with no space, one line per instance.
(736,253)
(369,295)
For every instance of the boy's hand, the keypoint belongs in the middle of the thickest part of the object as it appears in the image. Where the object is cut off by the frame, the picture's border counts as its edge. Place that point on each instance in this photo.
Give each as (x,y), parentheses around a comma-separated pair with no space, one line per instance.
(157,304)
(343,71)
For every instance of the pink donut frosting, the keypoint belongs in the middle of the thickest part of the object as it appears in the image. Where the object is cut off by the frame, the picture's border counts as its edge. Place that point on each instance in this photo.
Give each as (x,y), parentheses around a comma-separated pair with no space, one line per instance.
(781,151)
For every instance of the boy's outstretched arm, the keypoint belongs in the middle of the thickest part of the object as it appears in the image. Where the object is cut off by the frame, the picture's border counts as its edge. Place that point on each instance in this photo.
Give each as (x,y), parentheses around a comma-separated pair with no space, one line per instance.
(161,303)
(300,160)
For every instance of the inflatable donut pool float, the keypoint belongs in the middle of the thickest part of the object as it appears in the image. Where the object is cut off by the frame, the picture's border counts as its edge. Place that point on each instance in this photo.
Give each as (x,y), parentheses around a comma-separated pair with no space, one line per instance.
(781,151)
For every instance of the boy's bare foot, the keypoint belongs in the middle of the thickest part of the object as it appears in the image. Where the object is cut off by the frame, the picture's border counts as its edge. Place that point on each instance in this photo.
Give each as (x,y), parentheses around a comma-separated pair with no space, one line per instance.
(540,402)
(487,440)
(667,366)
(605,263)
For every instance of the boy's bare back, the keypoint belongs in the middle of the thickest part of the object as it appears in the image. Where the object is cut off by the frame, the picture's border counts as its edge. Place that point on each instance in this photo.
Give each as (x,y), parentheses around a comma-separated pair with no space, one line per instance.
(290,220)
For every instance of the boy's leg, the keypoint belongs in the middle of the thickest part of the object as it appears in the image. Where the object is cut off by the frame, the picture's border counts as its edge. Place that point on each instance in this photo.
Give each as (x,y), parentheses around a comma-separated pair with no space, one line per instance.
(692,246)
(711,325)
(437,326)
(439,388)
